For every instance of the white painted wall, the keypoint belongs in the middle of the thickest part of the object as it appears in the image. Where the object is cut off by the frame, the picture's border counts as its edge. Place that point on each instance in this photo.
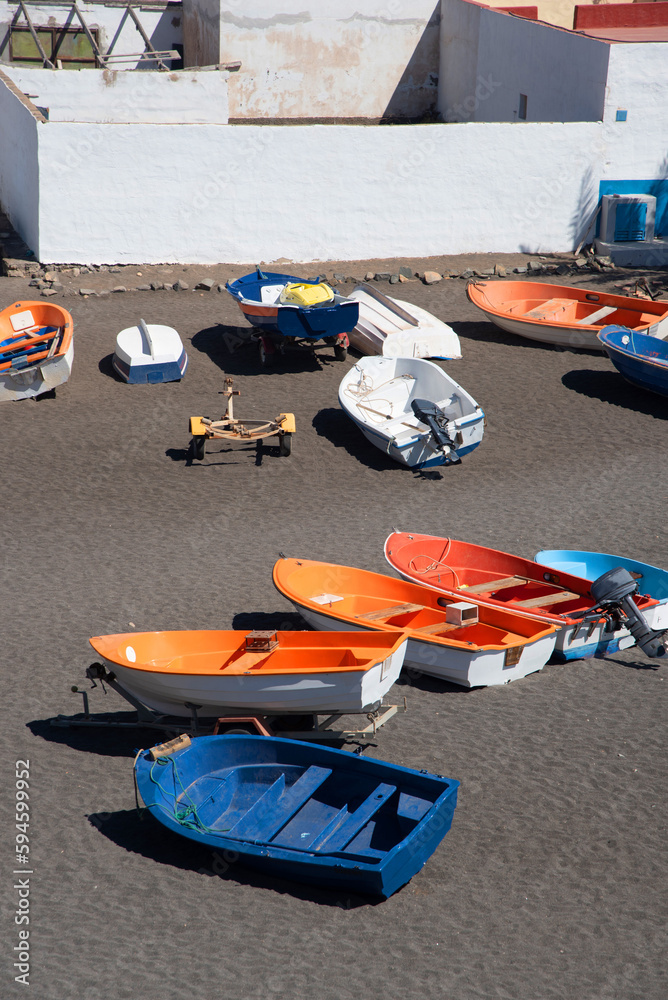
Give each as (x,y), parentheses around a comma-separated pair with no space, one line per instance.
(309,59)
(91,95)
(19,165)
(489,58)
(152,193)
(162,22)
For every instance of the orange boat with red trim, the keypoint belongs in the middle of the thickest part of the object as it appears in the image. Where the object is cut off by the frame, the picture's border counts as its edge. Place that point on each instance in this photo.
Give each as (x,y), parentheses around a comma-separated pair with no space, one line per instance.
(36,349)
(497,579)
(559,314)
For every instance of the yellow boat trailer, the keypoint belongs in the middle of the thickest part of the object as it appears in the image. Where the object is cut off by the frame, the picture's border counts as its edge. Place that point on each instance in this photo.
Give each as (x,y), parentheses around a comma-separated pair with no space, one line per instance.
(229,428)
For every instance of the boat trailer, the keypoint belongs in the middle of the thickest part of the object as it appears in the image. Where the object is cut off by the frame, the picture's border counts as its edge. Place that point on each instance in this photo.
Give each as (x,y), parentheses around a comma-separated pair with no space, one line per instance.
(317,726)
(229,428)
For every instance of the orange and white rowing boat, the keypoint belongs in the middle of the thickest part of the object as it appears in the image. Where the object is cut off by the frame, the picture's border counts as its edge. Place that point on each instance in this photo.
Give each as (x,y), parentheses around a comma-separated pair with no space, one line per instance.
(463,642)
(36,349)
(258,671)
(568,317)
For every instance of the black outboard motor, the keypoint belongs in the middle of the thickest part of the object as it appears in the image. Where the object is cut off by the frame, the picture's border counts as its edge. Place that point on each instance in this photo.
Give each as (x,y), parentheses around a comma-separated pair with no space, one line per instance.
(614,589)
(436,420)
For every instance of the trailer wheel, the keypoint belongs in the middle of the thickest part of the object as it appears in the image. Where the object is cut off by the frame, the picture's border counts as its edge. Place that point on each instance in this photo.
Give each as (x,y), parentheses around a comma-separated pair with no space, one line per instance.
(285,444)
(197,447)
(340,352)
(266,357)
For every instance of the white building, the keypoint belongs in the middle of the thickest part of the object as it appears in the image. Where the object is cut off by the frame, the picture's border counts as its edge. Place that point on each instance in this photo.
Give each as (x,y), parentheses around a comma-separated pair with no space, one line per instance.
(145,167)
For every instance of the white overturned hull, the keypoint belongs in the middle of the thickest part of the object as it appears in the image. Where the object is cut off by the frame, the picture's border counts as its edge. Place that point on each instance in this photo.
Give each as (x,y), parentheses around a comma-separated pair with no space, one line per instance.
(25,383)
(477,668)
(397,329)
(349,691)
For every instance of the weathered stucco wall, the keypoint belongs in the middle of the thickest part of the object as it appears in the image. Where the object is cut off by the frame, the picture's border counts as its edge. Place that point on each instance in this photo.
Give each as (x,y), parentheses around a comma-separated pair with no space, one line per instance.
(307,59)
(562,74)
(19,163)
(92,95)
(162,22)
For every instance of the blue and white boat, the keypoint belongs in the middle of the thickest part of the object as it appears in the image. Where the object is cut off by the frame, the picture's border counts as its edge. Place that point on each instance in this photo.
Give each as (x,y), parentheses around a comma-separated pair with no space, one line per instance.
(149,353)
(652,580)
(297,811)
(412,410)
(642,360)
(287,308)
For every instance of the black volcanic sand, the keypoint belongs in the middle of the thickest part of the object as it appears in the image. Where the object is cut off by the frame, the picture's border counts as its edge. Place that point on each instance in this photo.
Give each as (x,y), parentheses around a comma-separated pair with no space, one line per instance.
(549,885)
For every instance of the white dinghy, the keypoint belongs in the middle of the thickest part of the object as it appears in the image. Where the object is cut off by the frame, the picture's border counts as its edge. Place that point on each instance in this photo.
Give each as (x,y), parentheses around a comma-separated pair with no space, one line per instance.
(149,353)
(412,410)
(398,329)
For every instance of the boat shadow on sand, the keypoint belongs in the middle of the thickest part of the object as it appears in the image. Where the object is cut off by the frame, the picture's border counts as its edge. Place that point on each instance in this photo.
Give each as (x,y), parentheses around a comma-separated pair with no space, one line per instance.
(611,387)
(231,348)
(488,333)
(333,424)
(143,835)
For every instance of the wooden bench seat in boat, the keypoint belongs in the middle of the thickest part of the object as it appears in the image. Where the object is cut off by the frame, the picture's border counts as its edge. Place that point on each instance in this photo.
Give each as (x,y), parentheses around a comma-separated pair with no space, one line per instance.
(493,585)
(596,316)
(549,309)
(277,805)
(539,602)
(437,628)
(396,609)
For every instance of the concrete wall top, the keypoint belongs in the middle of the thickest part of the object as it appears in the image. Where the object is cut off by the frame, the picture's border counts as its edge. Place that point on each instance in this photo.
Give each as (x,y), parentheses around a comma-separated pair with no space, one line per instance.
(307,59)
(161,20)
(93,95)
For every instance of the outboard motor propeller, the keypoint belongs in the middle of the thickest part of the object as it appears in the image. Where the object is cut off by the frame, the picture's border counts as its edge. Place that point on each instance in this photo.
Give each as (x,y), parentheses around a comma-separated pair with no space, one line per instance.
(436,420)
(615,588)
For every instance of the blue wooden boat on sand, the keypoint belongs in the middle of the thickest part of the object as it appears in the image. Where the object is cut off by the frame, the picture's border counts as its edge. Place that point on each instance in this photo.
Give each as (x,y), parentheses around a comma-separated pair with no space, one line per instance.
(642,360)
(591,565)
(286,308)
(298,811)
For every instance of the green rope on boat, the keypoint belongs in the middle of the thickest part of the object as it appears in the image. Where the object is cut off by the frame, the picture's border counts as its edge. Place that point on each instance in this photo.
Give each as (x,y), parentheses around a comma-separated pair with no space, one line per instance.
(180,815)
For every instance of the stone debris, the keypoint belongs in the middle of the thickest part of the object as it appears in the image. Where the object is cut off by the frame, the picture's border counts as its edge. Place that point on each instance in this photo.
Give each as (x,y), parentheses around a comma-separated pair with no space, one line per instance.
(156,286)
(104,295)
(339,277)
(369,276)
(431,277)
(221,288)
(468,273)
(143,288)
(406,272)
(119,288)
(403,278)
(180,286)
(500,271)
(383,275)
(394,279)
(87,291)
(49,291)
(205,285)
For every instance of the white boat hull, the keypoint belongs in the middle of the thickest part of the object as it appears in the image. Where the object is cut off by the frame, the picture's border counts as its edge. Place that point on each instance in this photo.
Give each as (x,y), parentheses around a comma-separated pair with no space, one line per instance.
(377,392)
(343,691)
(477,668)
(40,378)
(397,329)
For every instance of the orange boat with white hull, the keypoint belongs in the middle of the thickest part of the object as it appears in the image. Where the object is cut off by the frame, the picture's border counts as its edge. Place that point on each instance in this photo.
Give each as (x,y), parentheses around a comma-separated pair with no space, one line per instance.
(36,349)
(464,571)
(559,314)
(259,671)
(462,642)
